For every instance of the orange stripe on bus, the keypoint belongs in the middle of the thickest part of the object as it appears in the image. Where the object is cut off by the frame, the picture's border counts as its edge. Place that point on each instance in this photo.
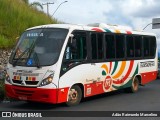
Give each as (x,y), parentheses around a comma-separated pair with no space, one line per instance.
(105,67)
(121,70)
(117,31)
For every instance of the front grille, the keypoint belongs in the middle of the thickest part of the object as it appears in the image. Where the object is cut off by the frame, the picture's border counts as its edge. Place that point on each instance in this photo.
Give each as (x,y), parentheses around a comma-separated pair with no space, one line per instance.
(31,82)
(23,92)
(27,82)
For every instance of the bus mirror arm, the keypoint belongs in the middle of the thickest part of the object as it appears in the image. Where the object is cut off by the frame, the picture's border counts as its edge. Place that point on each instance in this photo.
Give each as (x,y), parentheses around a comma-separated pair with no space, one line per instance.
(71,37)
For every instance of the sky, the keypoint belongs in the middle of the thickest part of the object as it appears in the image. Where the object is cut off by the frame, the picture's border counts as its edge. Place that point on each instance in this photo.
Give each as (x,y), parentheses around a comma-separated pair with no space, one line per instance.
(134,13)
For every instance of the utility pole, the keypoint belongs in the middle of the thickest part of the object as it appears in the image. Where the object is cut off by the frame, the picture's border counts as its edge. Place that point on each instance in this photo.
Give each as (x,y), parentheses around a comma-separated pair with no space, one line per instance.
(47,6)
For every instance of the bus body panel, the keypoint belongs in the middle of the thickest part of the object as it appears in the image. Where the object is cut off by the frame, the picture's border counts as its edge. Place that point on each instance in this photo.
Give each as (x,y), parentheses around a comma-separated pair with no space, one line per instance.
(95,77)
(105,77)
(44,95)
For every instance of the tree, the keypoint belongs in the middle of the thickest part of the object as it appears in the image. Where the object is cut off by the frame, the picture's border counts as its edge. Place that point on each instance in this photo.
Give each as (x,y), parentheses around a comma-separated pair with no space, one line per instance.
(26,1)
(36,4)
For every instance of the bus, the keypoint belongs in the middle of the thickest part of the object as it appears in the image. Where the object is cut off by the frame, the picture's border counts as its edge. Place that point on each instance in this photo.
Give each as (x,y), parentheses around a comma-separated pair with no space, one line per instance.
(63,63)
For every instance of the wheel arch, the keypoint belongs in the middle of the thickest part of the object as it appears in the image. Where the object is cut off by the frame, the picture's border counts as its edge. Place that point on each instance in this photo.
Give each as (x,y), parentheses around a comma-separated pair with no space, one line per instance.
(81,88)
(139,77)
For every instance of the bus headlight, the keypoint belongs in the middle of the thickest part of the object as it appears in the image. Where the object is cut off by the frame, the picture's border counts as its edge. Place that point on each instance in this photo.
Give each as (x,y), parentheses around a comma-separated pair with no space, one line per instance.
(7,78)
(47,80)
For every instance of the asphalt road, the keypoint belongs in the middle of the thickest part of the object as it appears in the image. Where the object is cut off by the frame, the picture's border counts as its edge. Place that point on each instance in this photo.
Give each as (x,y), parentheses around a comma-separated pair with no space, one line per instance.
(146,99)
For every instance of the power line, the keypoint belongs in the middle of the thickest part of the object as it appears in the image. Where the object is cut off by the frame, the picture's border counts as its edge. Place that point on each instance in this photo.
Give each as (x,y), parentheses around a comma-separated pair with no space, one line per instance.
(58,7)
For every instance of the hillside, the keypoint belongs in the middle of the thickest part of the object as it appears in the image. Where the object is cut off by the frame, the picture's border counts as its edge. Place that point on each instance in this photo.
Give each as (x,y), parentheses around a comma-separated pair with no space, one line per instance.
(15,17)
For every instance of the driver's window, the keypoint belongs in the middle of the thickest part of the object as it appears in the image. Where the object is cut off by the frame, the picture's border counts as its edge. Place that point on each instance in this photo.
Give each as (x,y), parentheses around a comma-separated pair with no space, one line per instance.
(76,50)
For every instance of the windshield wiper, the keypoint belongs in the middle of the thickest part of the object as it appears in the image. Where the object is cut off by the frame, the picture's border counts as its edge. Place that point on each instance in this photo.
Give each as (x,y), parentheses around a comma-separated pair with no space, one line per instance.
(37,60)
(27,50)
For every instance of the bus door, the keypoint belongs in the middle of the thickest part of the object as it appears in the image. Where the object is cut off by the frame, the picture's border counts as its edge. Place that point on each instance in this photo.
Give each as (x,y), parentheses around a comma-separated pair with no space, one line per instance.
(94,81)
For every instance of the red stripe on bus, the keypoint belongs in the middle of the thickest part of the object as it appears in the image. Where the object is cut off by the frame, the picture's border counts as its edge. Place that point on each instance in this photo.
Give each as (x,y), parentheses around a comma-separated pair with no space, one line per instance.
(110,67)
(37,94)
(126,76)
(97,30)
(62,94)
(93,88)
(129,32)
(148,77)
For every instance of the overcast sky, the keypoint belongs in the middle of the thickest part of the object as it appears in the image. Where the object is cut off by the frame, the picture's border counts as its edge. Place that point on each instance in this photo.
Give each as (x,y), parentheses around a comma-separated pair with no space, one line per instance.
(134,13)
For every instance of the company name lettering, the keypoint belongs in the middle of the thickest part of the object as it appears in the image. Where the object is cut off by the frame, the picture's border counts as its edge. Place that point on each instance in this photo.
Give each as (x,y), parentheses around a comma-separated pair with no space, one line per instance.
(147,64)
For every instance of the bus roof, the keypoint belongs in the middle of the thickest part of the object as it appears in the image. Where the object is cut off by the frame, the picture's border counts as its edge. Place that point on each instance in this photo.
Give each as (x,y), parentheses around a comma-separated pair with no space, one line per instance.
(98,27)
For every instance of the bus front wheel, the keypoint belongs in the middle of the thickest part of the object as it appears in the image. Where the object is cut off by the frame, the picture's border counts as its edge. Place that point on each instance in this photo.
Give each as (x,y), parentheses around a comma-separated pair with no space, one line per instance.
(74,96)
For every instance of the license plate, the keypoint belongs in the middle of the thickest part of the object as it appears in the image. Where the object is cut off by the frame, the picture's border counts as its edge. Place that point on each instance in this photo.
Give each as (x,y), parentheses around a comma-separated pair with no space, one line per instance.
(22,97)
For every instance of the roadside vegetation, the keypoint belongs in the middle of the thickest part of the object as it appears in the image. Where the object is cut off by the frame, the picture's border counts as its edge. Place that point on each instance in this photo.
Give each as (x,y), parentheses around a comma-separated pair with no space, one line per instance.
(15,17)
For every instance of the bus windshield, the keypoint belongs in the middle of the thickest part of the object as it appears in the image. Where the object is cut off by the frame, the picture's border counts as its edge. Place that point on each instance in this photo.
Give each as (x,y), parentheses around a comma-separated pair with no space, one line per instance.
(38,47)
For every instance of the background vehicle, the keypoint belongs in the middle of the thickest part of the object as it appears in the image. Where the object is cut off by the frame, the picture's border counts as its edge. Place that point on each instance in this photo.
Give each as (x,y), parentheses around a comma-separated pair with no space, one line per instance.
(64,63)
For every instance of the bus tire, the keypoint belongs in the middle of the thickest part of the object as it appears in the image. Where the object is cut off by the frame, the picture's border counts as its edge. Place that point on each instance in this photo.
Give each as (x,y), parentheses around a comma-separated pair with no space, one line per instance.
(135,86)
(74,96)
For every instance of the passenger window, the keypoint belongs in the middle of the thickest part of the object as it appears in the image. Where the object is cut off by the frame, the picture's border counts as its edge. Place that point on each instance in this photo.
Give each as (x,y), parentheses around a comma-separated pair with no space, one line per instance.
(138,46)
(100,46)
(97,46)
(110,46)
(130,46)
(152,46)
(120,48)
(146,46)
(94,46)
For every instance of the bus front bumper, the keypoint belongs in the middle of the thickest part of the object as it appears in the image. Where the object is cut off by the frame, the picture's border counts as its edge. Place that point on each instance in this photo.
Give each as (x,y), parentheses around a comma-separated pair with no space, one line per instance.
(37,94)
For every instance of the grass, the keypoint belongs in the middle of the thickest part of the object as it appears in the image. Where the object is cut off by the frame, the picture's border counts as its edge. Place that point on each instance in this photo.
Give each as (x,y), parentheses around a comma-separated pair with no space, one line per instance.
(5,42)
(15,17)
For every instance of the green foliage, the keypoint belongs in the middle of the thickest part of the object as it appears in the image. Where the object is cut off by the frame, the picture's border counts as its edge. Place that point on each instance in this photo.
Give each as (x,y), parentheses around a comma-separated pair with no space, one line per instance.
(26,1)
(15,17)
(4,42)
(36,4)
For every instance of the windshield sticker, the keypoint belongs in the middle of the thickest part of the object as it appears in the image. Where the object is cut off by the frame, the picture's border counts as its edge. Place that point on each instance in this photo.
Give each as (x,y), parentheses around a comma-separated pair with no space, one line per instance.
(34,34)
(30,62)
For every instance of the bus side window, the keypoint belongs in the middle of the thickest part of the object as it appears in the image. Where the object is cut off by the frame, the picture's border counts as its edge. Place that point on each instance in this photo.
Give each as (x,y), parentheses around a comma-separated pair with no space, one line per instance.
(138,46)
(120,53)
(152,46)
(146,46)
(76,50)
(110,46)
(130,46)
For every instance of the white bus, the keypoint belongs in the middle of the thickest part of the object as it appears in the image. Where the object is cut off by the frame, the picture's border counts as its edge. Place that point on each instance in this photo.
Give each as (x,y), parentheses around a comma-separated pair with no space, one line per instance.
(64,63)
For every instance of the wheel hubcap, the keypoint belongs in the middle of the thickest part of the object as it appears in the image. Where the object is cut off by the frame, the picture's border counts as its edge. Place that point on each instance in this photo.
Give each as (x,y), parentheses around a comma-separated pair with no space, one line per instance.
(73,95)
